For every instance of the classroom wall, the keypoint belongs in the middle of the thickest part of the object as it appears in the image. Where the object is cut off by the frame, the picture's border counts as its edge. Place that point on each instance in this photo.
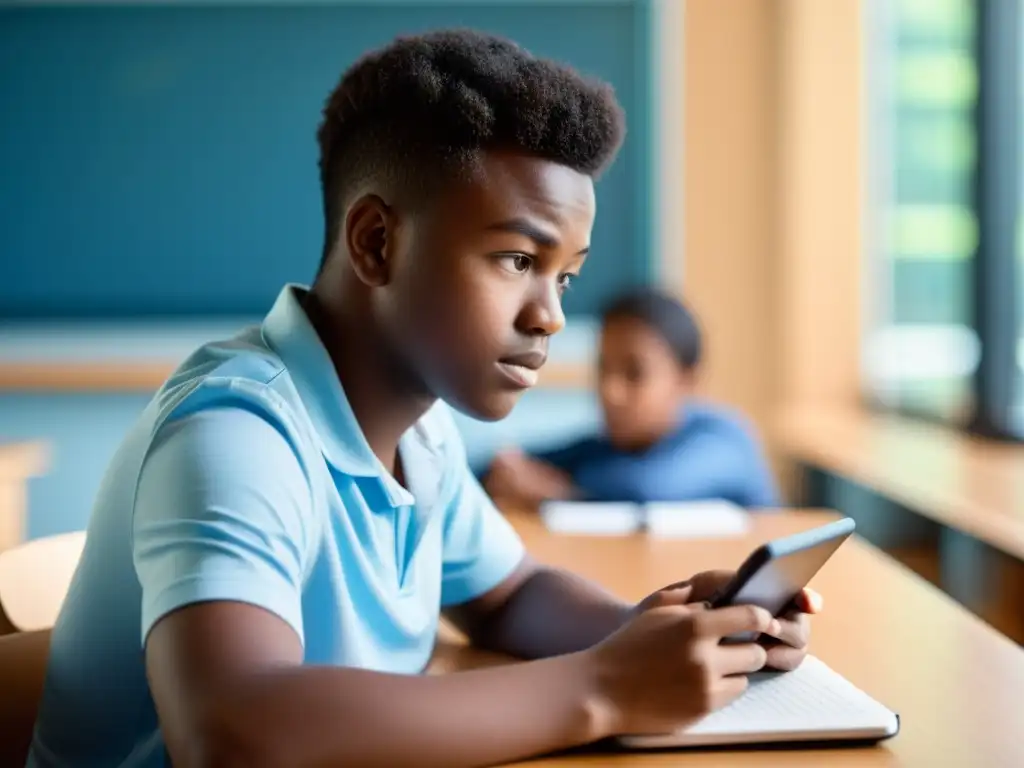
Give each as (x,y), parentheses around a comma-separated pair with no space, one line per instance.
(142,80)
(758,136)
(160,159)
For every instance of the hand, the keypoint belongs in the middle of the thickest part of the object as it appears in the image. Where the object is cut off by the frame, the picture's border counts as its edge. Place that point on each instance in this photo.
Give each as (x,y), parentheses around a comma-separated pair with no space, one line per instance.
(786,649)
(517,477)
(667,667)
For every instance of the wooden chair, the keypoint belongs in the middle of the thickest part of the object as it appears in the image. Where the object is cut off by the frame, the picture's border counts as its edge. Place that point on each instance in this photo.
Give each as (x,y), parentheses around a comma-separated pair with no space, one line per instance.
(22,674)
(34,579)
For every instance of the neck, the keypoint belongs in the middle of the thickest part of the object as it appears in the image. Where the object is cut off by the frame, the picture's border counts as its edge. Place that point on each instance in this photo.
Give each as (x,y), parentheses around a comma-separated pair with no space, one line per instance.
(384,401)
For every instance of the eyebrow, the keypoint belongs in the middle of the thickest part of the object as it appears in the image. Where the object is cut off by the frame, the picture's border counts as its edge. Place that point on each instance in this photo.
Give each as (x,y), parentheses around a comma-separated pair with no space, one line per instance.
(524,227)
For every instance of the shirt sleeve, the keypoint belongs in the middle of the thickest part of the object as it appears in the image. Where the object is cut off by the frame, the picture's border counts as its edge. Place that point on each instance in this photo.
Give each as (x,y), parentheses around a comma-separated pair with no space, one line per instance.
(566,458)
(222,512)
(481,549)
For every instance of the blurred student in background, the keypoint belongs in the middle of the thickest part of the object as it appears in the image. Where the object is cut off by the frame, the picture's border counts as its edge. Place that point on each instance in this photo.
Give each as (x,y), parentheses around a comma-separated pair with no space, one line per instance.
(659,442)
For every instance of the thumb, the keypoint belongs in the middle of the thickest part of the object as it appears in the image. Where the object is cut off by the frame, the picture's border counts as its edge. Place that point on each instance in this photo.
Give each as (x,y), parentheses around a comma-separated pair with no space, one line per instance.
(676,594)
(809,601)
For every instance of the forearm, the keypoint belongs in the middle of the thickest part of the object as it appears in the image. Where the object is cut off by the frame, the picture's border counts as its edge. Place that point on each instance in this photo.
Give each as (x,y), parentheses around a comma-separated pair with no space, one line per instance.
(316,716)
(525,481)
(552,613)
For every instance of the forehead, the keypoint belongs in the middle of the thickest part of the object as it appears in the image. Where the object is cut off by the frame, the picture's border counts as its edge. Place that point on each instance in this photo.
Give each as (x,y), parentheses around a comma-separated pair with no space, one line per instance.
(632,336)
(505,186)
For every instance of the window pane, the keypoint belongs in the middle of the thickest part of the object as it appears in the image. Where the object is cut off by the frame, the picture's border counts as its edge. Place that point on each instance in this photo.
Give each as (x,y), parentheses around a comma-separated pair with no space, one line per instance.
(922,351)
(1017,416)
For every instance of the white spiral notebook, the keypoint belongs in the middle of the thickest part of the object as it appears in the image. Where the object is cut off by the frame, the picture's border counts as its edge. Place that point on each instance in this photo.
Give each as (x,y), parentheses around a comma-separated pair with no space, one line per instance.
(811,704)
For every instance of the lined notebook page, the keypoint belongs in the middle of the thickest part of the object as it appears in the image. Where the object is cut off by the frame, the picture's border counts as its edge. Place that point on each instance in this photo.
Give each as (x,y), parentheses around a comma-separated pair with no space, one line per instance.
(812,702)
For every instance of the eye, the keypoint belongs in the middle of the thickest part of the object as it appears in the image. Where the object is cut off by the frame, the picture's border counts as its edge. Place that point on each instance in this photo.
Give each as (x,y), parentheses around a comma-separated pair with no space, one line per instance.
(634,373)
(565,281)
(517,262)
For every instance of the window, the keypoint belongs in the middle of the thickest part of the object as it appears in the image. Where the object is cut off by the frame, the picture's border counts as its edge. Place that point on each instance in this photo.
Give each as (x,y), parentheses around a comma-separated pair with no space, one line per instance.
(946,330)
(1017,413)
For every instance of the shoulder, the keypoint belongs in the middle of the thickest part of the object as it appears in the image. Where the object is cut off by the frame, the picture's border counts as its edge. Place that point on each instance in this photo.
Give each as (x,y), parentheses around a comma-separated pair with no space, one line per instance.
(719,422)
(227,470)
(241,385)
(228,418)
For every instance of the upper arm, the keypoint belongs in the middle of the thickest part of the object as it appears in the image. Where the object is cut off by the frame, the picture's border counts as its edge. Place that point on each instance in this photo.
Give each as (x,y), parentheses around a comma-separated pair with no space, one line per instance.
(483,559)
(220,532)
(195,655)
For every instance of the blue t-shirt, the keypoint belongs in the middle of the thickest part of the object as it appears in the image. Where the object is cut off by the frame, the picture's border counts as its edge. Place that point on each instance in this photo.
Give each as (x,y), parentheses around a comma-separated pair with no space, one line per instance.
(247,478)
(712,454)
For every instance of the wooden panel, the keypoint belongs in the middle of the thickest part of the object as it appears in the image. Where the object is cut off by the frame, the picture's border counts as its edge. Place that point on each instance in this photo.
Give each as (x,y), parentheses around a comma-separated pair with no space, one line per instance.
(148,377)
(730,189)
(820,180)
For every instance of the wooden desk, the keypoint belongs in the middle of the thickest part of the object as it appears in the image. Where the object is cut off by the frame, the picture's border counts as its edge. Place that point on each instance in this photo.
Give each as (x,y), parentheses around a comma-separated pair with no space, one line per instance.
(957,684)
(968,492)
(972,485)
(18,463)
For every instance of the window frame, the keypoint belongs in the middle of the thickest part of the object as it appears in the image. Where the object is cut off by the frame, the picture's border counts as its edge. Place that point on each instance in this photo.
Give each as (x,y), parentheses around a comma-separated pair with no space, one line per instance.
(995,197)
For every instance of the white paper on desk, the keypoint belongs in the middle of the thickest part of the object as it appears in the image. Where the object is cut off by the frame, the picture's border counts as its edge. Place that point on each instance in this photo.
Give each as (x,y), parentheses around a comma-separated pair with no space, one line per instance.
(697,519)
(591,518)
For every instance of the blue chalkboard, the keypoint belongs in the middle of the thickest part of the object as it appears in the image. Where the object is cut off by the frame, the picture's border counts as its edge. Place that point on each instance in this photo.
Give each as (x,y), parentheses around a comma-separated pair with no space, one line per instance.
(160,161)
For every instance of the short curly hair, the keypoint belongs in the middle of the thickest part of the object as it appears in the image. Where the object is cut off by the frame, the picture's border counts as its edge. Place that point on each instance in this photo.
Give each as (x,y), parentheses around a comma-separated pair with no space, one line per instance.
(411,113)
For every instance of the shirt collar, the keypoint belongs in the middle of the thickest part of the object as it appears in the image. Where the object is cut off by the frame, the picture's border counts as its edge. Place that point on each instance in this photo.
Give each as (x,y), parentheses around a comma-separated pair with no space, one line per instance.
(289,333)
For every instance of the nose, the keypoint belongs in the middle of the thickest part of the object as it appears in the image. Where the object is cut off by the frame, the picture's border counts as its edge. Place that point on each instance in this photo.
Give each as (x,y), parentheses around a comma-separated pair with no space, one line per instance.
(542,315)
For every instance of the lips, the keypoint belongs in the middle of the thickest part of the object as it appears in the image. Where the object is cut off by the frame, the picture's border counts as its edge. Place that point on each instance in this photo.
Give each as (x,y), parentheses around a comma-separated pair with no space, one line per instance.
(522,370)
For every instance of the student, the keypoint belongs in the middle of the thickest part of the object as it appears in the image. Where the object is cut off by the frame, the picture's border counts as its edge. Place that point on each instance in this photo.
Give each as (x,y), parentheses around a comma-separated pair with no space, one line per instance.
(659,442)
(275,540)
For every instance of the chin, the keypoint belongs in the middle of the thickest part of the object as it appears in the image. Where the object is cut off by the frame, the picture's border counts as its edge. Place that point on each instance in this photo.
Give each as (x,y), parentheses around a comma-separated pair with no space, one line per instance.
(627,441)
(486,406)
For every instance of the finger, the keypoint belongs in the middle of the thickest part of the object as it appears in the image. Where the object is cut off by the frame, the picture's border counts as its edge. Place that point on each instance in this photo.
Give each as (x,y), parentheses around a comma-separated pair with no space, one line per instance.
(740,659)
(677,585)
(708,583)
(809,601)
(728,690)
(722,622)
(784,657)
(794,630)
(665,597)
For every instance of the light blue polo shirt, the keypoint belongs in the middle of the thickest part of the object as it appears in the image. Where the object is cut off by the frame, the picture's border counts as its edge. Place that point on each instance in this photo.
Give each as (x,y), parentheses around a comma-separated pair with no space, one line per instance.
(247,478)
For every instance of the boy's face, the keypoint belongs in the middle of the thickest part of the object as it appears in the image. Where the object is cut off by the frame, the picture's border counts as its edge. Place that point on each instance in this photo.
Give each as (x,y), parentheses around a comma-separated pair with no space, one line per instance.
(641,384)
(476,279)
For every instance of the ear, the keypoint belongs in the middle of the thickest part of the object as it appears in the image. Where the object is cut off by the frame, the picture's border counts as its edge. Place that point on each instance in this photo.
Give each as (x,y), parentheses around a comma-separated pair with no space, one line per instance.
(689,378)
(369,235)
